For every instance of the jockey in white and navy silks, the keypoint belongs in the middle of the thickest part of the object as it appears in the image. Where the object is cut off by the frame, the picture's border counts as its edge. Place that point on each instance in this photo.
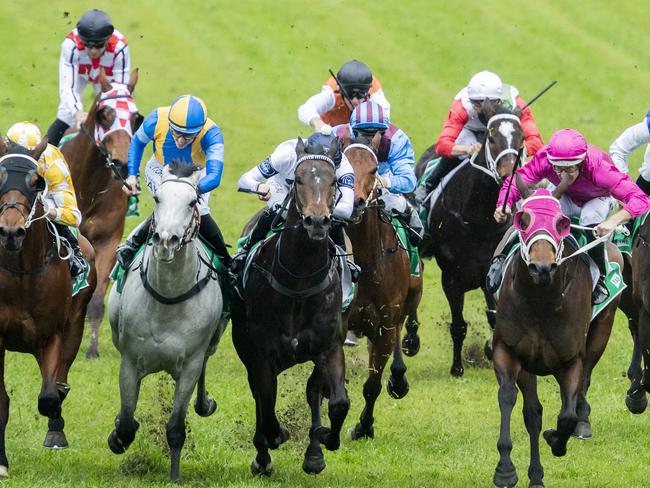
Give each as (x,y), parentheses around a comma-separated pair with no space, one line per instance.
(273,179)
(181,132)
(395,156)
(625,144)
(94,45)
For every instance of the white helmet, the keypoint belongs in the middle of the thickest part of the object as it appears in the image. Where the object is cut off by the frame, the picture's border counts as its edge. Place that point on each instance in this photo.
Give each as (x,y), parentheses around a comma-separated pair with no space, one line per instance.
(485,85)
(24,134)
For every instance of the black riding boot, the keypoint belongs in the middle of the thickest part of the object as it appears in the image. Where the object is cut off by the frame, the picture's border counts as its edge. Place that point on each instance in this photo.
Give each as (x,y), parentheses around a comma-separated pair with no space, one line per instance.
(495,272)
(259,232)
(77,261)
(444,166)
(600,293)
(126,252)
(55,132)
(643,184)
(209,230)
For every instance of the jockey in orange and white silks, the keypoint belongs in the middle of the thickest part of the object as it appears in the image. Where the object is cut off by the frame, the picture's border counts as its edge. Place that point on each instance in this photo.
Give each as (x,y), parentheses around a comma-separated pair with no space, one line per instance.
(625,144)
(329,107)
(94,45)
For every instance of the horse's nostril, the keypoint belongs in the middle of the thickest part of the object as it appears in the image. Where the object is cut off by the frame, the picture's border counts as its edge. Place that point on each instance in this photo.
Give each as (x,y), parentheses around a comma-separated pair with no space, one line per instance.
(20,233)
(309,220)
(326,220)
(155,238)
(359,202)
(3,232)
(174,240)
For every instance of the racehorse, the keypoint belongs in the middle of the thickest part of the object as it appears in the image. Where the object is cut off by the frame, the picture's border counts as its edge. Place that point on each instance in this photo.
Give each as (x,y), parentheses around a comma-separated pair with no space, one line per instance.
(462,233)
(98,157)
(544,326)
(387,294)
(168,314)
(38,314)
(291,313)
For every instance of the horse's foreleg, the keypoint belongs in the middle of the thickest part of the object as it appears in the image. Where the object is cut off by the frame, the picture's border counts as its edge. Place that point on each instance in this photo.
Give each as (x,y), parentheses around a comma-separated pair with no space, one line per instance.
(644,344)
(458,329)
(51,396)
(4,415)
(339,402)
(126,426)
(397,385)
(314,461)
(205,405)
(635,400)
(533,419)
(104,262)
(507,368)
(411,342)
(570,380)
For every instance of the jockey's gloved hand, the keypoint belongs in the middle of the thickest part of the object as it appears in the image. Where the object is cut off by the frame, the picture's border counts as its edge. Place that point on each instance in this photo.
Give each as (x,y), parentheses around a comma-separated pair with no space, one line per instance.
(325,129)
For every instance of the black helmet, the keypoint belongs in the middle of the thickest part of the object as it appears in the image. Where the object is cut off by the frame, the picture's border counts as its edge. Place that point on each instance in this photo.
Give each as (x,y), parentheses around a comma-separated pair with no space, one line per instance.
(95,27)
(355,76)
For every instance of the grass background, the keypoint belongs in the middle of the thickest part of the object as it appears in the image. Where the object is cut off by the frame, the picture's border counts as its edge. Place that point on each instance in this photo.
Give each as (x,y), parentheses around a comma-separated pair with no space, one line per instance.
(254,63)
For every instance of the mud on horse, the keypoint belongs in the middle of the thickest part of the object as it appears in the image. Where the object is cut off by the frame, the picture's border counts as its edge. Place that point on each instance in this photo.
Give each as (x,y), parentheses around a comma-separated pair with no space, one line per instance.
(387,294)
(462,232)
(38,315)
(98,157)
(543,327)
(291,313)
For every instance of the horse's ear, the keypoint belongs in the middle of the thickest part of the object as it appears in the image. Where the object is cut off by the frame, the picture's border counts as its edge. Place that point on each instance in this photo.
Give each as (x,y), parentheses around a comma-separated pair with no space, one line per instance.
(39,149)
(345,140)
(3,147)
(376,140)
(517,111)
(333,149)
(106,117)
(563,226)
(521,186)
(133,80)
(196,176)
(103,81)
(300,148)
(521,220)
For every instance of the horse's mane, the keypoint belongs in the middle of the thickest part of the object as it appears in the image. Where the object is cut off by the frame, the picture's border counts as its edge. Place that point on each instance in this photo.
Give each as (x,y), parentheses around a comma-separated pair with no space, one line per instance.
(181,169)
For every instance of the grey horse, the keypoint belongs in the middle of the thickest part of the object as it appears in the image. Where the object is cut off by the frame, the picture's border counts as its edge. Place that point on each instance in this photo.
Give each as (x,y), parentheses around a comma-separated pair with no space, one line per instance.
(168,315)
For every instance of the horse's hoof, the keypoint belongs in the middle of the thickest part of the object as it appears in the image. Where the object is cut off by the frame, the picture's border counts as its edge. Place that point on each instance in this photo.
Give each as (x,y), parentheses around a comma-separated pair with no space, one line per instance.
(313,464)
(55,440)
(636,405)
(505,476)
(536,485)
(205,409)
(552,439)
(397,390)
(259,470)
(115,443)
(4,472)
(92,354)
(582,430)
(411,345)
(488,350)
(360,432)
(457,371)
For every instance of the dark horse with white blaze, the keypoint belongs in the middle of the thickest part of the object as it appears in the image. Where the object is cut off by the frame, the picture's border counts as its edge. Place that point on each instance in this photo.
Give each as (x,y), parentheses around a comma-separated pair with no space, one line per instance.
(544,326)
(38,314)
(462,233)
(291,313)
(96,155)
(387,294)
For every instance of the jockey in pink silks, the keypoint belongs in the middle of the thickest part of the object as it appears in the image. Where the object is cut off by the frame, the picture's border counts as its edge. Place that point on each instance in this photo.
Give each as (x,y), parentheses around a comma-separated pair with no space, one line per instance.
(593,185)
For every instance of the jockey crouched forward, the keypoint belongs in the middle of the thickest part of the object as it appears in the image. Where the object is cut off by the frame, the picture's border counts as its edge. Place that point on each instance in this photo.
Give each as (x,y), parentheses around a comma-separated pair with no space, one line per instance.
(273,178)
(591,180)
(60,197)
(181,132)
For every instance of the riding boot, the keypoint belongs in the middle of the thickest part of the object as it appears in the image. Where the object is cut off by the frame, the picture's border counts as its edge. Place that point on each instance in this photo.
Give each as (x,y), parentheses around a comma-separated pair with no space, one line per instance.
(55,132)
(77,260)
(259,232)
(209,230)
(442,168)
(643,184)
(415,226)
(600,293)
(338,238)
(126,252)
(495,272)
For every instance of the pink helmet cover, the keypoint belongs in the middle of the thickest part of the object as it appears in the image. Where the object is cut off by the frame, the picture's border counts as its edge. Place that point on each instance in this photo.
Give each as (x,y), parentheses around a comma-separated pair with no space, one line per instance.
(567,144)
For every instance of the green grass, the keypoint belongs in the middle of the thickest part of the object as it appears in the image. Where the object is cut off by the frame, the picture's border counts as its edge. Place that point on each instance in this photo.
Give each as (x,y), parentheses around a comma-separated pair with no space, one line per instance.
(254,63)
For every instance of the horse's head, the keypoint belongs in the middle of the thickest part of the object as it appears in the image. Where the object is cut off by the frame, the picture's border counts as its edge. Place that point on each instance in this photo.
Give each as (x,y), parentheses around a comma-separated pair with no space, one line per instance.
(542,227)
(363,158)
(176,216)
(114,119)
(20,186)
(315,189)
(504,139)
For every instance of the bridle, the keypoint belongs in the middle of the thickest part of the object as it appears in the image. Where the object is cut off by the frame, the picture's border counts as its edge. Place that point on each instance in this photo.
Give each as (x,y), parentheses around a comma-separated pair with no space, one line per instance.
(294,190)
(192,228)
(373,194)
(493,162)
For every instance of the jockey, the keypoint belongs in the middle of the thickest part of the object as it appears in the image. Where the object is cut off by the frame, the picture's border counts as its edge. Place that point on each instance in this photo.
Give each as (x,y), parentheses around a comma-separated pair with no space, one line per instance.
(396,160)
(93,45)
(628,142)
(273,179)
(60,196)
(463,128)
(182,132)
(593,183)
(330,107)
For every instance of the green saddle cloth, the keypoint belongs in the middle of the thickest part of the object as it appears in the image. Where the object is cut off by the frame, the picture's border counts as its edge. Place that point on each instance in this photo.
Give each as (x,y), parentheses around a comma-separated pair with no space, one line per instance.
(414,254)
(624,242)
(66,138)
(80,281)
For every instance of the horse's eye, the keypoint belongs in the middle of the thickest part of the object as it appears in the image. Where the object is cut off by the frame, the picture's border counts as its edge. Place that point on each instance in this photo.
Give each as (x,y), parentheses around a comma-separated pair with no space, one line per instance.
(491,140)
(373,171)
(298,180)
(193,203)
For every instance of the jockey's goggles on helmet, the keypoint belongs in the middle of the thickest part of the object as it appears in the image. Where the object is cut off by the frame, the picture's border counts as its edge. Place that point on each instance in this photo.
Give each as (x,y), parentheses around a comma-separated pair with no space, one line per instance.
(95,44)
(476,101)
(360,94)
(559,164)
(184,137)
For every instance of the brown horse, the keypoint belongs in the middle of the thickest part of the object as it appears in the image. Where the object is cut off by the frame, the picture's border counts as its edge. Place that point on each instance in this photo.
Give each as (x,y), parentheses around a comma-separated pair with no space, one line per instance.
(462,234)
(291,313)
(387,294)
(98,157)
(38,315)
(544,327)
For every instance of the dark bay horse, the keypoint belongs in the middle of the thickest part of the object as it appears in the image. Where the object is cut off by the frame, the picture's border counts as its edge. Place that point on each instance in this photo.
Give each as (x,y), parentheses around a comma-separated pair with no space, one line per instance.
(96,156)
(291,313)
(387,294)
(462,233)
(544,326)
(38,315)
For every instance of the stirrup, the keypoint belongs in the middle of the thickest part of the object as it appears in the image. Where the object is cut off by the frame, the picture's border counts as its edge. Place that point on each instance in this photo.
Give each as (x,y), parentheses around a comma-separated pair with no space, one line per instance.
(238,261)
(600,293)
(495,273)
(125,254)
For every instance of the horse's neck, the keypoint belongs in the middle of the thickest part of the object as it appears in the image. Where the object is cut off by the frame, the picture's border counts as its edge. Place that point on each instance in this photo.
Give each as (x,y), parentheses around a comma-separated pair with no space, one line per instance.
(478,196)
(369,239)
(174,277)
(35,247)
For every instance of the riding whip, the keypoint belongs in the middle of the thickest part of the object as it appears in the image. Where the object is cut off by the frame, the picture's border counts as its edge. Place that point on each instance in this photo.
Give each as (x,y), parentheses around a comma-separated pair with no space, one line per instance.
(341,89)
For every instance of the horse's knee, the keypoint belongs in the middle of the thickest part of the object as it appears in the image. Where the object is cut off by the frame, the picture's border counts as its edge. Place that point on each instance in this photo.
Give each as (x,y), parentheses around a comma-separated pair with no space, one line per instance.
(458,330)
(507,395)
(371,390)
(338,409)
(176,435)
(566,422)
(49,404)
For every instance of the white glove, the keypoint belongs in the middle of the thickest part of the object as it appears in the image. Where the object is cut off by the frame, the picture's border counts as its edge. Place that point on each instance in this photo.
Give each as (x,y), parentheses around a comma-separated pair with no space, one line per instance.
(80,118)
(384,181)
(325,129)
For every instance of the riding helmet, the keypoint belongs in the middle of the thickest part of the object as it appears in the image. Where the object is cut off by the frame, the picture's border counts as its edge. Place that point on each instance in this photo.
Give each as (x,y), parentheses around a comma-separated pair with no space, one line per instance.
(24,134)
(485,85)
(95,26)
(187,114)
(369,115)
(355,75)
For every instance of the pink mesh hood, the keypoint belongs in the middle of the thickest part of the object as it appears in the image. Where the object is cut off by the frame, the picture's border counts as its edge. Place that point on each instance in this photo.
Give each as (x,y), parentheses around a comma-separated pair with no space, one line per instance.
(567,144)
(545,216)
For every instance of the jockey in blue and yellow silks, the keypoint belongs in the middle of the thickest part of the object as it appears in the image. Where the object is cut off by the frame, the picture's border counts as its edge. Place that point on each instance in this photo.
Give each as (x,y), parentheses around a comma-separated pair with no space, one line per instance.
(181,132)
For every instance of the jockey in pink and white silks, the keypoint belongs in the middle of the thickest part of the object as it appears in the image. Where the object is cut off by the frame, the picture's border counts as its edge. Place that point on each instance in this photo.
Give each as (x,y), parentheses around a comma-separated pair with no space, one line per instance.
(593,184)
(625,144)
(94,45)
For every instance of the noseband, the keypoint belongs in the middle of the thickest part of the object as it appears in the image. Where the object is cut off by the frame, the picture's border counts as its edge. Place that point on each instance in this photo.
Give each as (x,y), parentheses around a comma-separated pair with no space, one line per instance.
(493,162)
